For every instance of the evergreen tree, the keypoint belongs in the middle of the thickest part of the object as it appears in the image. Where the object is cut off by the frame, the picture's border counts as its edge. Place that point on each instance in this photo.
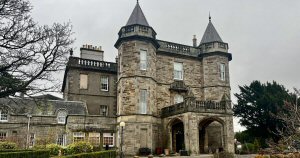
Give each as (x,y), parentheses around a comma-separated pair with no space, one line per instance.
(257,107)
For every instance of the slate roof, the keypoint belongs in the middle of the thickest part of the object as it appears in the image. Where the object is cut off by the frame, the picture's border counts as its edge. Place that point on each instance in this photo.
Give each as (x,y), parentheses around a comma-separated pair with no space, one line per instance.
(41,106)
(210,34)
(137,17)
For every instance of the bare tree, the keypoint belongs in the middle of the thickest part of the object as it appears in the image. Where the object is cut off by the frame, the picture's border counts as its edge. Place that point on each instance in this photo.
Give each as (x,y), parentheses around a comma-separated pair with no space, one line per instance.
(29,53)
(290,115)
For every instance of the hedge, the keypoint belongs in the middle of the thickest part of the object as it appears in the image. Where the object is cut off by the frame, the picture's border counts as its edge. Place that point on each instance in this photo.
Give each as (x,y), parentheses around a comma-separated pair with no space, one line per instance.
(25,154)
(100,154)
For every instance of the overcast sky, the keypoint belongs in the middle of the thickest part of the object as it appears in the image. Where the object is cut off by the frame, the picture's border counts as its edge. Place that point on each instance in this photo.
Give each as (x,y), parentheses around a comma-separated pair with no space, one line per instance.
(263,35)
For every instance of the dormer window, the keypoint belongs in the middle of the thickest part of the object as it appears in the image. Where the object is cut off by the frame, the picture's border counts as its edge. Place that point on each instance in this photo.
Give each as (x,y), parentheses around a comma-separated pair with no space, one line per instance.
(3,115)
(61,116)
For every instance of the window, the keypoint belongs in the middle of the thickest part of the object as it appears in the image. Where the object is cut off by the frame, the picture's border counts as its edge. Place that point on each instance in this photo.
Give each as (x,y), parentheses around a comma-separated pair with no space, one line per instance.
(94,139)
(222,72)
(103,110)
(3,136)
(3,115)
(61,139)
(78,136)
(83,81)
(143,59)
(104,83)
(178,71)
(178,98)
(31,140)
(143,101)
(108,139)
(61,116)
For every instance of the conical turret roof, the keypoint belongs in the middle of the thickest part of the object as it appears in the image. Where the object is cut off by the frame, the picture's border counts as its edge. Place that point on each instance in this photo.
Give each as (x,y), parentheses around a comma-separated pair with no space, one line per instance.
(210,34)
(137,17)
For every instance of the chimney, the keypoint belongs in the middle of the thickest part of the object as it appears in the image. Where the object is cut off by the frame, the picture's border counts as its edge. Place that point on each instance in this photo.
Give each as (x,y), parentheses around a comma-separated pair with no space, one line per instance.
(194,41)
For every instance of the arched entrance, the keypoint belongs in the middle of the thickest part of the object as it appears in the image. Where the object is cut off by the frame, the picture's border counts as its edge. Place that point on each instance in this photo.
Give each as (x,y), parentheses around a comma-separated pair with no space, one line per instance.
(211,135)
(177,138)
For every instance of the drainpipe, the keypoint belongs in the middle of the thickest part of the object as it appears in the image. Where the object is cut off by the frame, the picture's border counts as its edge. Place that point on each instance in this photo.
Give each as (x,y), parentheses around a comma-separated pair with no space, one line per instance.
(28,130)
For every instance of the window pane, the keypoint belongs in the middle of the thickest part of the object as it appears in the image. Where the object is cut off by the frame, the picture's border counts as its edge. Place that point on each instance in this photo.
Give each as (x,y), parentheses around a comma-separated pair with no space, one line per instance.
(143,101)
(78,136)
(94,139)
(61,116)
(222,72)
(178,71)
(83,81)
(178,98)
(3,115)
(3,136)
(103,110)
(104,83)
(143,60)
(108,139)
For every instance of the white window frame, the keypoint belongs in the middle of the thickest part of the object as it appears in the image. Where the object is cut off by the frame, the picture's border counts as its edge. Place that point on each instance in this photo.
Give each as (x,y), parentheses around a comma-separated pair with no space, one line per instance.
(94,136)
(61,139)
(109,135)
(3,136)
(222,71)
(104,80)
(178,99)
(78,135)
(143,101)
(143,59)
(83,85)
(3,115)
(101,110)
(178,71)
(62,116)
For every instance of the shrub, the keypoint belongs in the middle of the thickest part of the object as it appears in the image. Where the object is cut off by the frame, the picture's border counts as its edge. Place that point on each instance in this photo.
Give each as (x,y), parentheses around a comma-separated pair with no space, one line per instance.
(78,147)
(248,148)
(26,154)
(102,154)
(144,151)
(53,148)
(7,145)
(224,154)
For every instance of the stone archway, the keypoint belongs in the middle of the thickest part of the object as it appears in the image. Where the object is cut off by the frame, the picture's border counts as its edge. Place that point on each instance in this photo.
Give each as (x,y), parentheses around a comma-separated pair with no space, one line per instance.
(176,127)
(211,135)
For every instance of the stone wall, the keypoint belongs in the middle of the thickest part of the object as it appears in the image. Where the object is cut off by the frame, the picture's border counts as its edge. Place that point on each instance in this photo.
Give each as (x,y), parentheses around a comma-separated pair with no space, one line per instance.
(46,129)
(93,96)
(191,123)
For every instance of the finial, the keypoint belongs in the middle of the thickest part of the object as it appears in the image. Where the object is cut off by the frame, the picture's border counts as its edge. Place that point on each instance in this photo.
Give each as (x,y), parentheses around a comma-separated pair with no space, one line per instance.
(137,1)
(209,17)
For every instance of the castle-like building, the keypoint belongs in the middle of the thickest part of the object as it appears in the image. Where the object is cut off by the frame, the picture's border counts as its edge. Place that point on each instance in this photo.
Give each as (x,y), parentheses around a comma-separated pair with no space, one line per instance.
(169,95)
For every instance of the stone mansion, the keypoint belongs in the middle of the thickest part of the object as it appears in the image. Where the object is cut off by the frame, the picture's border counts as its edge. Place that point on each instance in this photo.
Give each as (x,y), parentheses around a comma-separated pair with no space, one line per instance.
(170,96)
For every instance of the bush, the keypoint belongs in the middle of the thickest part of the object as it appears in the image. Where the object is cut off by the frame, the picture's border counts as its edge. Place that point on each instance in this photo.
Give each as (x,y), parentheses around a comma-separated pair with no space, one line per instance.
(224,154)
(7,145)
(54,149)
(102,154)
(248,148)
(26,154)
(78,147)
(144,151)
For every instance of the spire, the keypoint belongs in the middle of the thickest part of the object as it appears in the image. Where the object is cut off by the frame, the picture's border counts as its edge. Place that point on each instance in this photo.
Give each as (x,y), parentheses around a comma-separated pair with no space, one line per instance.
(210,34)
(137,16)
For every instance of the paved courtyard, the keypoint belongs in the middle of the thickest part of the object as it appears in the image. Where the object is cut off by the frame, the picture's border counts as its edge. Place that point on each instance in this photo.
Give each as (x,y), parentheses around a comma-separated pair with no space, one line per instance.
(205,156)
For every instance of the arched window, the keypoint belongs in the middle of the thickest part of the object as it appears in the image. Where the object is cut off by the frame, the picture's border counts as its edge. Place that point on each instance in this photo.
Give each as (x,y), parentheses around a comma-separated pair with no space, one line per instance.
(3,115)
(61,116)
(178,98)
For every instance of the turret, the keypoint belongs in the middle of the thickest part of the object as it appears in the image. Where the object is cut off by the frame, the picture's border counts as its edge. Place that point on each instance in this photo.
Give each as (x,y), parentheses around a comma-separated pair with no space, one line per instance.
(137,81)
(215,60)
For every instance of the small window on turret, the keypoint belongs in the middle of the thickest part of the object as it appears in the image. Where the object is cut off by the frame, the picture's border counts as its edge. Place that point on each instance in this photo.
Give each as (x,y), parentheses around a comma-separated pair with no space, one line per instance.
(143,60)
(222,72)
